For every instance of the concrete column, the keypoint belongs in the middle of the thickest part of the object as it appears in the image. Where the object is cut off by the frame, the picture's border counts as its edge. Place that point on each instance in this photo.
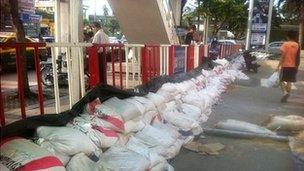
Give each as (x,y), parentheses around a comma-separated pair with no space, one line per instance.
(76,35)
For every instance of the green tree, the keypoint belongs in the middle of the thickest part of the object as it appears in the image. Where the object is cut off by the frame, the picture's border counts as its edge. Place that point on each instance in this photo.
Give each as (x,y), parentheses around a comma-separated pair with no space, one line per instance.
(223,14)
(293,9)
(20,37)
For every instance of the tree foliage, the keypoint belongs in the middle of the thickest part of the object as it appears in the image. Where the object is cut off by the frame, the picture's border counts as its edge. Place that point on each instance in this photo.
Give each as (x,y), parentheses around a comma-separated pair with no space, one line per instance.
(110,24)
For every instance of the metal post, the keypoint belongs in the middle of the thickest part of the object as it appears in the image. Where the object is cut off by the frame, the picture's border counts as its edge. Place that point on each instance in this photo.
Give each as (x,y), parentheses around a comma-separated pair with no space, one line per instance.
(269,24)
(249,24)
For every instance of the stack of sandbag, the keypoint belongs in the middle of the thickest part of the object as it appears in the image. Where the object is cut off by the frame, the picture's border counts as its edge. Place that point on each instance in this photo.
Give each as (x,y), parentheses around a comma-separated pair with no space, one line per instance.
(22,154)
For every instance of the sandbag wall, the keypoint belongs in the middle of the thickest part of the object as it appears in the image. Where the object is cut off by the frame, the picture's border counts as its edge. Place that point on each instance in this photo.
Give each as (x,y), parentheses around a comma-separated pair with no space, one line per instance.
(121,130)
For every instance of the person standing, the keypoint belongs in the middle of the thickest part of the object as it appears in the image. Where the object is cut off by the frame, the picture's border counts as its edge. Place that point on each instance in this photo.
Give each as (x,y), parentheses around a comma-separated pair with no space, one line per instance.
(192,35)
(289,63)
(100,37)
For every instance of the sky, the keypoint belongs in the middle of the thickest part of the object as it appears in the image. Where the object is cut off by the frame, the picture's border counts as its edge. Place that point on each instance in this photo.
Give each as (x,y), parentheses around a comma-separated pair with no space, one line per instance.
(96,6)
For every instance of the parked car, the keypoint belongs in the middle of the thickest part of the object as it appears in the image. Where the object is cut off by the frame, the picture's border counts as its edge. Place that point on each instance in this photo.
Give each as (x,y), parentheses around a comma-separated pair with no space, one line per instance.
(227,42)
(274,49)
(8,55)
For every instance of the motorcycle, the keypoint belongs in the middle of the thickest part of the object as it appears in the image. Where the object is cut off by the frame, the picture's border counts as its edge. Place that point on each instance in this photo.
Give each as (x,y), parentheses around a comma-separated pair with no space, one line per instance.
(47,72)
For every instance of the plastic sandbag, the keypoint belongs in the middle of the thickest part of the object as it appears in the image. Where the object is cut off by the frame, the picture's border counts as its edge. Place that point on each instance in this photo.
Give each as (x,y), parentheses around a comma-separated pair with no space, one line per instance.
(148,104)
(160,141)
(138,146)
(111,122)
(65,140)
(182,121)
(120,158)
(134,125)
(286,123)
(157,99)
(123,108)
(194,99)
(102,137)
(272,81)
(190,110)
(90,107)
(22,154)
(149,116)
(236,125)
(81,162)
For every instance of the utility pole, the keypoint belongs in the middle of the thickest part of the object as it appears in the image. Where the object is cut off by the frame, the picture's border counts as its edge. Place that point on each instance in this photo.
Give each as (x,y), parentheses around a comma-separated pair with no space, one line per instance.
(269,24)
(249,24)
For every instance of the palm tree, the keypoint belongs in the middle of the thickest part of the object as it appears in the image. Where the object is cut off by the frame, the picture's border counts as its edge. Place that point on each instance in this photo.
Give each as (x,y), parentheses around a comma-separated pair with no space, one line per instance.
(295,7)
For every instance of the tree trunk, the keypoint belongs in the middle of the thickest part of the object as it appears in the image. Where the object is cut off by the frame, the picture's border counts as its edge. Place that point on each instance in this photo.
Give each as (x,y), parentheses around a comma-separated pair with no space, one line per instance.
(20,37)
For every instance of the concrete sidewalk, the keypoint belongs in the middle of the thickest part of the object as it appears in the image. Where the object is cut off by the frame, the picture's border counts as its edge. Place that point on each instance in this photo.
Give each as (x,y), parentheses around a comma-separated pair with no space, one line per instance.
(252,103)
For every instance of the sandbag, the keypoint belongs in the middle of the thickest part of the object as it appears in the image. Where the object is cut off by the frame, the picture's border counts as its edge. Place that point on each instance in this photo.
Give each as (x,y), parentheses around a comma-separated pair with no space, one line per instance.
(136,145)
(65,140)
(123,108)
(286,123)
(159,141)
(148,104)
(272,81)
(119,158)
(22,154)
(236,125)
(157,100)
(81,162)
(101,136)
(134,125)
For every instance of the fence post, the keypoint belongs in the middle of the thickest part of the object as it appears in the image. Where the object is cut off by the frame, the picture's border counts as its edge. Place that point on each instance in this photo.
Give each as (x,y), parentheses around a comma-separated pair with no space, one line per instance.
(2,116)
(20,75)
(93,66)
(144,65)
(171,59)
(38,74)
(190,58)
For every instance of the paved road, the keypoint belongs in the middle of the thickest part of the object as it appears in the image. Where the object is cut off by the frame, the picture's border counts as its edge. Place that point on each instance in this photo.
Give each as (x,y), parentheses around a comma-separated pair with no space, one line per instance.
(252,103)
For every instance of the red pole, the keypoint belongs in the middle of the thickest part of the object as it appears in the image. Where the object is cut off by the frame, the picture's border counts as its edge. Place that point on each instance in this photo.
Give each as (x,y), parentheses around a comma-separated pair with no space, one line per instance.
(20,72)
(104,65)
(38,74)
(120,66)
(171,60)
(158,59)
(144,65)
(113,66)
(93,66)
(190,58)
(2,116)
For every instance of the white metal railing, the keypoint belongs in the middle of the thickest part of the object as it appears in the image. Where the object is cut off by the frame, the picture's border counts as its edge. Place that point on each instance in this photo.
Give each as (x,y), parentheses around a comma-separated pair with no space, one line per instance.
(75,67)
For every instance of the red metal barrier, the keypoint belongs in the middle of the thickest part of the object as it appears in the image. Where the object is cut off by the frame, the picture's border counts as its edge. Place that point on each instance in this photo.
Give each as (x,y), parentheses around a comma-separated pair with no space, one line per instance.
(99,56)
(190,58)
(20,75)
(2,116)
(201,54)
(150,62)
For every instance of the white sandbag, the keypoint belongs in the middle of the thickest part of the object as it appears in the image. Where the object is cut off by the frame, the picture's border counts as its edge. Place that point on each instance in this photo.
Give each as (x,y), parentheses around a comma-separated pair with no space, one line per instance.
(148,104)
(181,121)
(22,154)
(190,110)
(194,99)
(149,116)
(102,137)
(120,158)
(141,107)
(123,108)
(236,125)
(134,125)
(159,141)
(286,123)
(138,146)
(166,127)
(81,162)
(111,122)
(158,100)
(272,81)
(65,140)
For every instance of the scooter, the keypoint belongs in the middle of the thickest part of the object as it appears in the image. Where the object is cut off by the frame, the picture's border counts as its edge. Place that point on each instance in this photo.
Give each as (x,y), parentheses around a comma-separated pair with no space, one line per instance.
(47,77)
(250,61)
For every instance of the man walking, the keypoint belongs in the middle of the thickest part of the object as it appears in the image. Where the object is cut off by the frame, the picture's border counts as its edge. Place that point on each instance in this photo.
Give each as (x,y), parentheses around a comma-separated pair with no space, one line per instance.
(100,37)
(289,63)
